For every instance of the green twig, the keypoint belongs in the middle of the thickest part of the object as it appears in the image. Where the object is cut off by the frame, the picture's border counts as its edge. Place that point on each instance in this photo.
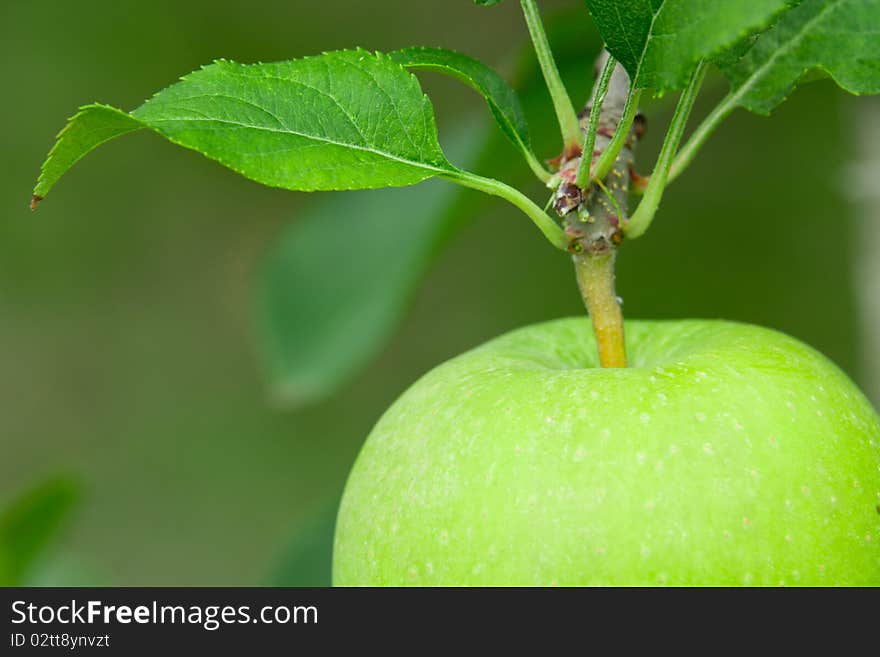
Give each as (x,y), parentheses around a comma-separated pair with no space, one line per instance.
(565,112)
(644,214)
(583,174)
(609,155)
(545,224)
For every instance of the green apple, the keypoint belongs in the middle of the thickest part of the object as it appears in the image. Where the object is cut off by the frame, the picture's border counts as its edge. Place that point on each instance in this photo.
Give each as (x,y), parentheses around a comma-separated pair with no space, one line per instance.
(725,455)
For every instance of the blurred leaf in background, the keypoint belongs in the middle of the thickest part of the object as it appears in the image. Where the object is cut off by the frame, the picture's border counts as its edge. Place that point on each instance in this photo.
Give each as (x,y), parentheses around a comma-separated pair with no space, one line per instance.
(29,524)
(307,560)
(336,282)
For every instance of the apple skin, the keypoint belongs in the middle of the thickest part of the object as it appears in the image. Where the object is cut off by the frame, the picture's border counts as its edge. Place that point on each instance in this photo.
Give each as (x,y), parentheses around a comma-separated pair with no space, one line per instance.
(726,454)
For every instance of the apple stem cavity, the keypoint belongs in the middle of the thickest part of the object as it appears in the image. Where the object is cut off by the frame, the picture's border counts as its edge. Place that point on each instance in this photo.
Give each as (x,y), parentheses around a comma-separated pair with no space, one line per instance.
(595,276)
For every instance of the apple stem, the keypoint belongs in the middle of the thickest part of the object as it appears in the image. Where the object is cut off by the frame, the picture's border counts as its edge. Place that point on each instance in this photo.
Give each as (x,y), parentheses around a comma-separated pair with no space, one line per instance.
(595,276)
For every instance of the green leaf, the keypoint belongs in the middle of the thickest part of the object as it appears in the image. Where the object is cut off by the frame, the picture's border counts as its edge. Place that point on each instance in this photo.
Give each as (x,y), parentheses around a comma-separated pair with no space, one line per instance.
(659,42)
(323,315)
(339,121)
(501,98)
(487,3)
(342,120)
(837,37)
(29,523)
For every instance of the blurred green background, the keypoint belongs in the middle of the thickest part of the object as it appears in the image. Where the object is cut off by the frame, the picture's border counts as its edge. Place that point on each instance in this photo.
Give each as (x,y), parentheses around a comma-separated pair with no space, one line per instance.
(130,362)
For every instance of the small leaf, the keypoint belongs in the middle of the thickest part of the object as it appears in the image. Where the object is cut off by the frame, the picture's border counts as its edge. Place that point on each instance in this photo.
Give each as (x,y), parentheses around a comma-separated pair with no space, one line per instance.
(487,3)
(342,120)
(837,37)
(659,42)
(501,98)
(29,523)
(338,279)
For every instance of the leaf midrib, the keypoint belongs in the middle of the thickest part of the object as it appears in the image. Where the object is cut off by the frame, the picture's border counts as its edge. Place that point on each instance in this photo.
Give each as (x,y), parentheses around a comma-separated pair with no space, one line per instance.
(638,75)
(422,165)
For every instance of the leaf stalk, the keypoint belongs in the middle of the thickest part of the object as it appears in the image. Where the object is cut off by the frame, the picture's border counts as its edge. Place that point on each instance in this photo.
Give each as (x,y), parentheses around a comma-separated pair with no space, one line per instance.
(583,174)
(621,133)
(644,214)
(565,112)
(551,230)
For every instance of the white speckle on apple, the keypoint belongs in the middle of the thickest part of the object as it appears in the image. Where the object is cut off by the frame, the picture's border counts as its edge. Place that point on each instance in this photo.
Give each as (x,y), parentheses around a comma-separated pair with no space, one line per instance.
(788,504)
(640,457)
(429,567)
(748,578)
(701,376)
(701,417)
(444,536)
(708,449)
(788,538)
(737,425)
(795,575)
(549,420)
(790,404)
(727,534)
(645,551)
(413,573)
(773,440)
(477,569)
(579,454)
(606,433)
(673,449)
(650,505)
(856,483)
(833,499)
(661,396)
(658,466)
(644,418)
(746,522)
(805,490)
(594,394)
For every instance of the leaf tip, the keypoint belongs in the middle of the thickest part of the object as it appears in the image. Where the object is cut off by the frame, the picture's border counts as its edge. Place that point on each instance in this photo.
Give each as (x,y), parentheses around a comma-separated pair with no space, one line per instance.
(35,201)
